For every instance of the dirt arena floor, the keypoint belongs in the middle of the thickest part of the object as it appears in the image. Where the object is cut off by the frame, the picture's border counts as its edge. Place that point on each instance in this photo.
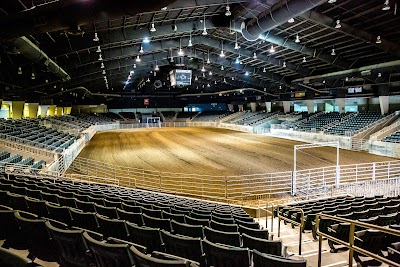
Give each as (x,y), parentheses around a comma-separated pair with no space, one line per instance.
(210,151)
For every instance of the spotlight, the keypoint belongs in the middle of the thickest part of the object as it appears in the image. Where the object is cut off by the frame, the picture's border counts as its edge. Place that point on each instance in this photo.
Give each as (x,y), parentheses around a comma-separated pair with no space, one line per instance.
(338,25)
(272,49)
(19,70)
(254,55)
(100,58)
(228,11)
(304,60)
(222,54)
(264,70)
(98,49)
(203,69)
(222,68)
(378,39)
(333,53)
(237,60)
(102,65)
(146,40)
(284,64)
(247,73)
(180,52)
(297,39)
(153,29)
(96,37)
(291,20)
(138,58)
(156,68)
(386,6)
(33,76)
(331,1)
(210,73)
(141,50)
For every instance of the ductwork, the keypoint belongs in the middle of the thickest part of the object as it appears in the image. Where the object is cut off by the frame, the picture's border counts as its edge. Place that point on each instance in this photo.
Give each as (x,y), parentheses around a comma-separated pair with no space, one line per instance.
(266,22)
(66,14)
(373,69)
(32,52)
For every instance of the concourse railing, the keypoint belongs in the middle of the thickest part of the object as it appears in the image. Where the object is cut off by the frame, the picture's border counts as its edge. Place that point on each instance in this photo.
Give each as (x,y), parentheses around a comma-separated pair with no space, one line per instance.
(351,244)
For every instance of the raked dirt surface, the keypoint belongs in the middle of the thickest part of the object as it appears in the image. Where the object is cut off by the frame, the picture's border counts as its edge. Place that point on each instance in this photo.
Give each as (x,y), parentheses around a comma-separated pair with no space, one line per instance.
(211,151)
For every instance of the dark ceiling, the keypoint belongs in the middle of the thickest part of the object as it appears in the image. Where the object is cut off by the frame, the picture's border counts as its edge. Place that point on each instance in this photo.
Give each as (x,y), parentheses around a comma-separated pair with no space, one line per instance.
(326,58)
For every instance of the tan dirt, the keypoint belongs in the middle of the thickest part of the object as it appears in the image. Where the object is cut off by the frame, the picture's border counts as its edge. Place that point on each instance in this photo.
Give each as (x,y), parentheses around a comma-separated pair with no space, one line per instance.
(211,151)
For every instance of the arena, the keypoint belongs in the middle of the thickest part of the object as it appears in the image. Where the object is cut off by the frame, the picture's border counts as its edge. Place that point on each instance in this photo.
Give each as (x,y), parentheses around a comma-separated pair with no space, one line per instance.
(201,133)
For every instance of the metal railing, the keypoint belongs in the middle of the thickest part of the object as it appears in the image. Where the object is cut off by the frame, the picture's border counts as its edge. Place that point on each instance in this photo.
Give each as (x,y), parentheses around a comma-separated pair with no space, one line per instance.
(383,132)
(351,245)
(289,220)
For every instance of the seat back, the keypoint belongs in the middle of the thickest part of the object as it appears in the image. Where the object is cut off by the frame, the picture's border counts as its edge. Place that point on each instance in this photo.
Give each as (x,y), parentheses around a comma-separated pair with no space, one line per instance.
(131,208)
(371,240)
(10,259)
(37,207)
(172,216)
(152,213)
(157,223)
(226,238)
(187,229)
(223,227)
(265,260)
(85,220)
(58,213)
(85,206)
(193,221)
(273,247)
(186,247)
(116,255)
(143,260)
(110,212)
(71,246)
(263,234)
(112,227)
(145,236)
(223,256)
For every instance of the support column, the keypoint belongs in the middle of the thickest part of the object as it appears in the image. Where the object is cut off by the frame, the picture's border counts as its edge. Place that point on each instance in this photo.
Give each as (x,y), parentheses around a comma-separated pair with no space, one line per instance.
(310,105)
(17,109)
(59,111)
(52,110)
(384,104)
(240,107)
(67,110)
(43,110)
(341,103)
(253,106)
(286,106)
(230,107)
(268,106)
(33,110)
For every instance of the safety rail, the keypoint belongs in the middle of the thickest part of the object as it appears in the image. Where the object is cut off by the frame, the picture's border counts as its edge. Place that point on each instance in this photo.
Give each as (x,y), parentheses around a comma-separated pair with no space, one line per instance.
(300,224)
(350,245)
(384,132)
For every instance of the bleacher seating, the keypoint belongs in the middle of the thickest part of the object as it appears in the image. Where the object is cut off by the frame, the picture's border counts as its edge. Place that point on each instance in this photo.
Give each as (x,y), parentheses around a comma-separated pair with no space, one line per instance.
(320,121)
(355,123)
(210,115)
(392,138)
(186,115)
(6,157)
(69,223)
(110,115)
(169,115)
(128,115)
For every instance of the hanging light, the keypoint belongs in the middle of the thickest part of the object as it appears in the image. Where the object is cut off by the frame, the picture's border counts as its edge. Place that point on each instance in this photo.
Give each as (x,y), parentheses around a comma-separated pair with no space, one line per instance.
(304,60)
(102,65)
(138,58)
(156,68)
(153,28)
(19,70)
(347,79)
(98,49)
(333,53)
(103,72)
(180,52)
(338,25)
(131,72)
(208,58)
(228,10)
(297,39)
(210,73)
(215,82)
(47,81)
(33,76)
(190,40)
(134,66)
(264,70)
(222,54)
(386,6)
(203,69)
(331,1)
(208,85)
(291,20)
(280,87)
(254,55)
(224,80)
(222,68)
(378,39)
(204,29)
(100,58)
(233,78)
(272,49)
(247,73)
(141,50)
(379,74)
(196,78)
(148,80)
(96,37)
(237,60)
(146,40)
(284,64)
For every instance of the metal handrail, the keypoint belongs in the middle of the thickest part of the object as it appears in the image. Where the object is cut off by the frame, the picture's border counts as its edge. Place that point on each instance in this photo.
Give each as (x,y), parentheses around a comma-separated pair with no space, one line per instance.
(301,223)
(350,245)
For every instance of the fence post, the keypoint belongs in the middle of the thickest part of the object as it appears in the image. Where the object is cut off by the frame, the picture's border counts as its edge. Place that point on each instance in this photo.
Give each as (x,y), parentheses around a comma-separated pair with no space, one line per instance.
(373,171)
(388,170)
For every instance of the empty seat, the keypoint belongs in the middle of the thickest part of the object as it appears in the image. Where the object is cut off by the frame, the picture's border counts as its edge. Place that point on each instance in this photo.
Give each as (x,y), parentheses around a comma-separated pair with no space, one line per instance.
(388,219)
(223,227)
(224,256)
(263,234)
(172,216)
(112,227)
(37,207)
(340,231)
(145,236)
(130,208)
(223,220)
(193,221)
(105,254)
(186,247)
(84,220)
(273,247)
(49,197)
(130,217)
(152,213)
(187,229)
(97,200)
(266,260)
(372,241)
(32,193)
(110,203)
(110,212)
(85,206)
(253,225)
(144,260)
(59,213)
(66,201)
(157,223)
(226,238)
(17,202)
(10,259)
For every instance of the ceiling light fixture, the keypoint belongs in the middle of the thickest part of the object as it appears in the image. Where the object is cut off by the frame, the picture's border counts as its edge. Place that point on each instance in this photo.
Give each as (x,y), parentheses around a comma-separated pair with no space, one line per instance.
(138,58)
(222,68)
(180,52)
(254,55)
(98,49)
(284,64)
(338,25)
(156,68)
(141,50)
(153,28)
(208,85)
(210,73)
(386,6)
(291,20)
(100,58)
(33,76)
(196,78)
(131,72)
(304,60)
(190,40)
(237,60)
(222,54)
(134,66)
(264,70)
(96,37)
(19,70)
(333,53)
(228,10)
(203,69)
(204,29)
(146,40)
(208,58)
(297,39)
(224,80)
(236,43)
(378,39)
(272,49)
(331,1)
(103,72)
(247,73)
(379,74)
